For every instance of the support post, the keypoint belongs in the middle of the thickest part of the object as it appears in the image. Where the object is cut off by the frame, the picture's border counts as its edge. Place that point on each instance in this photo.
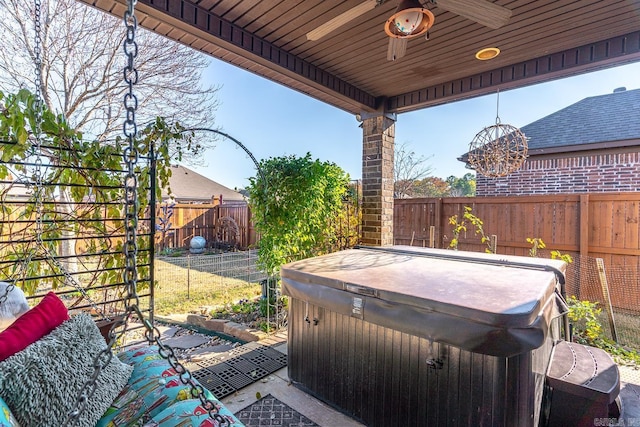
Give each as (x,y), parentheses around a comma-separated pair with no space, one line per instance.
(378,132)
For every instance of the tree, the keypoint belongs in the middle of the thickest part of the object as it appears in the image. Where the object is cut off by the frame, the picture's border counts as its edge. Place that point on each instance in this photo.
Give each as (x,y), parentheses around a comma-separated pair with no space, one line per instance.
(431,187)
(407,169)
(82,69)
(462,187)
(295,201)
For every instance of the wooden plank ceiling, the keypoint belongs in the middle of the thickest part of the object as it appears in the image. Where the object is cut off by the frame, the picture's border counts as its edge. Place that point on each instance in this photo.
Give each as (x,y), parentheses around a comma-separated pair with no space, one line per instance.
(348,68)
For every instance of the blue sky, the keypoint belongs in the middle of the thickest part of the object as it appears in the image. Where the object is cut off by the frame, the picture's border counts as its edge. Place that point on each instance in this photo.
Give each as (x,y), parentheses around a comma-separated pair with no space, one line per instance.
(272,120)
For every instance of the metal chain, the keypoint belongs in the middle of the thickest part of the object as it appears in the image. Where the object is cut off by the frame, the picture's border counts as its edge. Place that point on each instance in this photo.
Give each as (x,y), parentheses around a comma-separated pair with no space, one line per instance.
(498,107)
(130,273)
(7,291)
(131,218)
(166,352)
(38,182)
(131,157)
(37,131)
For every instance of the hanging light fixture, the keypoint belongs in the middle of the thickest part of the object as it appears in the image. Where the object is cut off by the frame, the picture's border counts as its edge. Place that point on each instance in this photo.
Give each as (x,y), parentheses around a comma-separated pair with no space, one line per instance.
(409,20)
(498,150)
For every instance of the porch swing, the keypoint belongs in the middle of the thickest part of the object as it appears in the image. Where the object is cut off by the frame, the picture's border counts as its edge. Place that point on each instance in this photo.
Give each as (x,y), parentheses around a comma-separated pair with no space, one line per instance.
(66,375)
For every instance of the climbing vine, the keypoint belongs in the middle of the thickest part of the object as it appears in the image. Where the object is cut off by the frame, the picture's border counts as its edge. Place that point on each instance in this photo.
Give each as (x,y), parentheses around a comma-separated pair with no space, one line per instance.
(87,176)
(537,243)
(295,201)
(460,226)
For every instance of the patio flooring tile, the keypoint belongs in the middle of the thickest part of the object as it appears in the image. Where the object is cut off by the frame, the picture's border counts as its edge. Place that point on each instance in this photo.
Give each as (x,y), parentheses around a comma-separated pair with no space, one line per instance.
(186,341)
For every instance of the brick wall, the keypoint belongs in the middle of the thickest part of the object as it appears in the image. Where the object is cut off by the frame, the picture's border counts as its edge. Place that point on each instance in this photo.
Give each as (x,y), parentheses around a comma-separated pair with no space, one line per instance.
(590,173)
(377,181)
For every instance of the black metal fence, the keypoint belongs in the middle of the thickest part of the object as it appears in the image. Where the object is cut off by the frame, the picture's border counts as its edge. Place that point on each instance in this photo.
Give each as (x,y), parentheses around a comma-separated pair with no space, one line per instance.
(62,227)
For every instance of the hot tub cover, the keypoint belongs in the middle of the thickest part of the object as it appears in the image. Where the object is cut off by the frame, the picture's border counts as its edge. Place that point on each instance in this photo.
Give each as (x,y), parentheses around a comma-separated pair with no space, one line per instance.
(490,304)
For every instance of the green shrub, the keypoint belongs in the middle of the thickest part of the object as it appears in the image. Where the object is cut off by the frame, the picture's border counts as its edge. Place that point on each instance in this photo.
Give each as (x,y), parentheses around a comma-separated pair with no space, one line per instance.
(295,201)
(588,330)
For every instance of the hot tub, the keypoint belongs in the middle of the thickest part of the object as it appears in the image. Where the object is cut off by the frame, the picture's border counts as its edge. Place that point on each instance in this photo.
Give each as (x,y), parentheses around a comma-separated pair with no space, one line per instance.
(404,336)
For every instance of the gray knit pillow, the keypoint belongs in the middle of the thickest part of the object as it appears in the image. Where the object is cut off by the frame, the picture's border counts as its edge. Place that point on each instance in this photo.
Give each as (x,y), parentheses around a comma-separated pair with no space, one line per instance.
(40,383)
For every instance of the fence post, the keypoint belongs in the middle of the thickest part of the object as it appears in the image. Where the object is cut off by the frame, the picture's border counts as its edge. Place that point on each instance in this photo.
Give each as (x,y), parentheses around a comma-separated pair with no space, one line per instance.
(188,274)
(583,244)
(607,298)
(493,242)
(438,223)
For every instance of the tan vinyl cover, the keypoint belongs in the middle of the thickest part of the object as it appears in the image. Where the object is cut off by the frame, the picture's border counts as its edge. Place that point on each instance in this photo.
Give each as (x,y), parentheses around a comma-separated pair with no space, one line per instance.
(491,304)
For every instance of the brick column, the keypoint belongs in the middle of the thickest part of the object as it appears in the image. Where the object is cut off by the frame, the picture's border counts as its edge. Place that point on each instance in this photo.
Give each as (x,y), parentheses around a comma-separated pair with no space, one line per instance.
(378,134)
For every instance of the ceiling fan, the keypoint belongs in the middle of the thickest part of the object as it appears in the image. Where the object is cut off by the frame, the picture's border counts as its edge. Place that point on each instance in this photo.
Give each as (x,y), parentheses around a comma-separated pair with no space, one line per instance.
(412,19)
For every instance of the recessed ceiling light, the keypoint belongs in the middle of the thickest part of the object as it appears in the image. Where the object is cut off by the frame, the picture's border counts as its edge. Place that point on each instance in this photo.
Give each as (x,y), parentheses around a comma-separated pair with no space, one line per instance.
(487,53)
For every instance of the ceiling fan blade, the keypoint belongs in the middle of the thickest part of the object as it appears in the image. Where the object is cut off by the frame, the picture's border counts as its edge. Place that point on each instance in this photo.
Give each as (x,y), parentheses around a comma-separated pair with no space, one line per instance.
(397,48)
(341,20)
(481,11)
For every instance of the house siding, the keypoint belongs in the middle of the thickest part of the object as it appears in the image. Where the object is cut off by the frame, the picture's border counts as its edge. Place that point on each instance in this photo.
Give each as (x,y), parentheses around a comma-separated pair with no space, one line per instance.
(579,174)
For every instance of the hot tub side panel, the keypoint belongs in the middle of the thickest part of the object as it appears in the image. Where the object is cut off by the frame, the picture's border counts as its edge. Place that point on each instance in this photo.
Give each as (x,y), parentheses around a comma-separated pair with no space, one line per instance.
(381,376)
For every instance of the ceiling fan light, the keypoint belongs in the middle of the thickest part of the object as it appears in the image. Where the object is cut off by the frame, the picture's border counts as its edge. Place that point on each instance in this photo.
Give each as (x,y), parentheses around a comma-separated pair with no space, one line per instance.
(409,20)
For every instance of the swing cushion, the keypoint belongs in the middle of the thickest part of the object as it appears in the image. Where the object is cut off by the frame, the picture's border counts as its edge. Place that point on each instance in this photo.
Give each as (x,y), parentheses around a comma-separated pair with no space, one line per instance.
(6,417)
(33,325)
(155,396)
(40,383)
(191,413)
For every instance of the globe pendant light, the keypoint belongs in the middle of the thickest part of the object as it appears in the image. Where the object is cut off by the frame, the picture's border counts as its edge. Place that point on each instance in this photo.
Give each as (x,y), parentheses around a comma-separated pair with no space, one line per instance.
(409,20)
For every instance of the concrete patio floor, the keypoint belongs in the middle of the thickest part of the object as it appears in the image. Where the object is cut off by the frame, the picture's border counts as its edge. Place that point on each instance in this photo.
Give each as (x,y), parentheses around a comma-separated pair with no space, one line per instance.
(630,395)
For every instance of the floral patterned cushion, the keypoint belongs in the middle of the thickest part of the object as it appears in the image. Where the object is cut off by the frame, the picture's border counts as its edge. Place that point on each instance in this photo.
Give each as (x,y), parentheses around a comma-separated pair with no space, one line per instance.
(155,396)
(6,417)
(190,413)
(135,355)
(127,410)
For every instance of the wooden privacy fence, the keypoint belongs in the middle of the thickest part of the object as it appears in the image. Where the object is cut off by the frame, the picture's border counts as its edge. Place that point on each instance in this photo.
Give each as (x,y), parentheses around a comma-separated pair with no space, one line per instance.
(221,226)
(595,225)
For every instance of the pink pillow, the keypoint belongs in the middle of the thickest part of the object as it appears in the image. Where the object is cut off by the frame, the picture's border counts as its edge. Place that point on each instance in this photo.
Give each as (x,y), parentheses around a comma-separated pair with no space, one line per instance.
(33,325)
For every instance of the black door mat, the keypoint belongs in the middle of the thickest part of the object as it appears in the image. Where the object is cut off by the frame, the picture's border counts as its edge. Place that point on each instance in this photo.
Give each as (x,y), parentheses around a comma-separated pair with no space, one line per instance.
(227,372)
(269,411)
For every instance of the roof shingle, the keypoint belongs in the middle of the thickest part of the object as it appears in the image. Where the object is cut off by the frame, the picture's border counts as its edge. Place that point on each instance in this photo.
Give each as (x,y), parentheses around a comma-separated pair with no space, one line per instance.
(187,185)
(604,118)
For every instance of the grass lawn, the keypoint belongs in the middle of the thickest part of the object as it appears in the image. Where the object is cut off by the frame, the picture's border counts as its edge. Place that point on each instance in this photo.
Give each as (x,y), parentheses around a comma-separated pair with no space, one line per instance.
(179,290)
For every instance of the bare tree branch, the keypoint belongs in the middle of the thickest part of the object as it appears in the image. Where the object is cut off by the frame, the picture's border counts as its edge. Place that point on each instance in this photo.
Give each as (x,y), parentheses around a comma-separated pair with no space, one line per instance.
(82,69)
(408,168)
